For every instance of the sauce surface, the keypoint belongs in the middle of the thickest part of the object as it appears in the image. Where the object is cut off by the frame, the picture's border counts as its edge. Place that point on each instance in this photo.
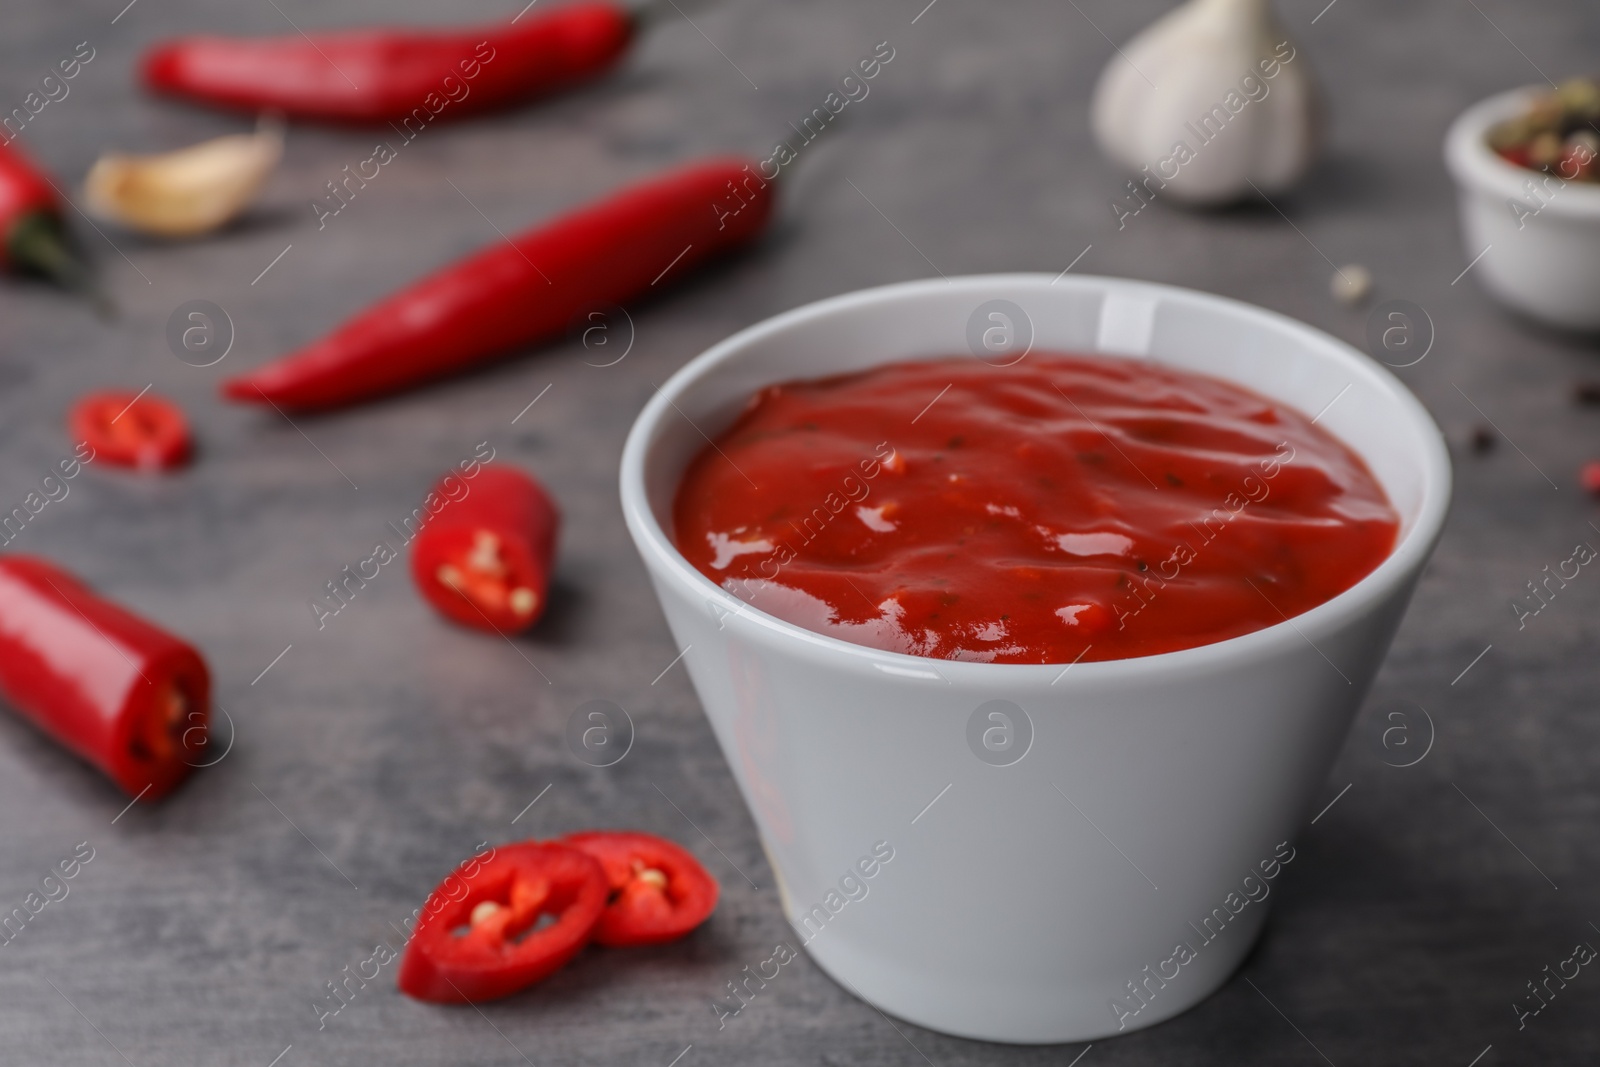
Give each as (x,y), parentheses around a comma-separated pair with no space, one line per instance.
(1064,508)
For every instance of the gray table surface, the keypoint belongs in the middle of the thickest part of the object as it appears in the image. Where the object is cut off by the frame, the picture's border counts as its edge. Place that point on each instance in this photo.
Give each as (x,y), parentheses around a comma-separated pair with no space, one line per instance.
(378,751)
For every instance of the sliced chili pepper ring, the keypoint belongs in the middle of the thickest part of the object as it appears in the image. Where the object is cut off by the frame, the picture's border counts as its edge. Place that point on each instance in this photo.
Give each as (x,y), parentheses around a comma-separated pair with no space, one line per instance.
(132,430)
(502,64)
(659,892)
(497,926)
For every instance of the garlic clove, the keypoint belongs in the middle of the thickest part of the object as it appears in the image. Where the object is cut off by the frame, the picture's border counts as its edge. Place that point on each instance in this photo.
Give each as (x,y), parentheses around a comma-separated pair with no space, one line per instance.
(188,192)
(1208,101)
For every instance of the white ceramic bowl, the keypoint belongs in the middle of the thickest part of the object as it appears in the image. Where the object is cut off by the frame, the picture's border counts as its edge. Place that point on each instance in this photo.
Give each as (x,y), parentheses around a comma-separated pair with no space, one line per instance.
(1542,234)
(1028,899)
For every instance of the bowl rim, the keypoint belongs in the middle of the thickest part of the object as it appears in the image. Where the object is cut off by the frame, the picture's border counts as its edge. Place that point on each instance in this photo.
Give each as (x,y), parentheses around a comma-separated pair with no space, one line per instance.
(1473,164)
(1403,562)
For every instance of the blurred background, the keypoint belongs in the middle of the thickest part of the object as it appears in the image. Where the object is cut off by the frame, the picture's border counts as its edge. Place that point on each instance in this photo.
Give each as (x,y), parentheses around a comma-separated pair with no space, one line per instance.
(1426,898)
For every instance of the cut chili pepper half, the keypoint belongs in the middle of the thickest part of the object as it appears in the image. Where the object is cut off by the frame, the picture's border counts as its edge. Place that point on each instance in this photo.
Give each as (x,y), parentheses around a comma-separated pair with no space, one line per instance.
(128,697)
(484,558)
(499,925)
(658,891)
(145,431)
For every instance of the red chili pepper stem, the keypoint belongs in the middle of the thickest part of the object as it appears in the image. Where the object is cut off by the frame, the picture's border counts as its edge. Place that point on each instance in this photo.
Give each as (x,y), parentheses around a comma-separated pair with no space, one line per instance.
(38,243)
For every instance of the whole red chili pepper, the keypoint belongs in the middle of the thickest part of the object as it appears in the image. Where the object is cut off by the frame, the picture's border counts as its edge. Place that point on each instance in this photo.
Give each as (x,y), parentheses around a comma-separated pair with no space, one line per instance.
(130,698)
(32,237)
(387,75)
(525,289)
(484,559)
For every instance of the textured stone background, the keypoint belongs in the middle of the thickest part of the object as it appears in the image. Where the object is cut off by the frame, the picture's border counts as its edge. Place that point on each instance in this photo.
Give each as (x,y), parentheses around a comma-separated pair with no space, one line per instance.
(204,928)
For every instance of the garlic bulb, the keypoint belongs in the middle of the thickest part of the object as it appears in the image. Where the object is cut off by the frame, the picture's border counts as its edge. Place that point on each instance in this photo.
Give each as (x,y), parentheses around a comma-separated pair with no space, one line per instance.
(188,192)
(1207,100)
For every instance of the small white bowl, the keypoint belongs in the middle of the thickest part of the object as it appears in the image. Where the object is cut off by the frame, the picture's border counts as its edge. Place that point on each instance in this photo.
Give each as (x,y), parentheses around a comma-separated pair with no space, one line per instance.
(1025,901)
(1542,234)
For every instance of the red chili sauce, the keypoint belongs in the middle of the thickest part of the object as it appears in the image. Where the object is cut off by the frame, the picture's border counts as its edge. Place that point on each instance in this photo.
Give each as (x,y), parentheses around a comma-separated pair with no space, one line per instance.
(1066,508)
